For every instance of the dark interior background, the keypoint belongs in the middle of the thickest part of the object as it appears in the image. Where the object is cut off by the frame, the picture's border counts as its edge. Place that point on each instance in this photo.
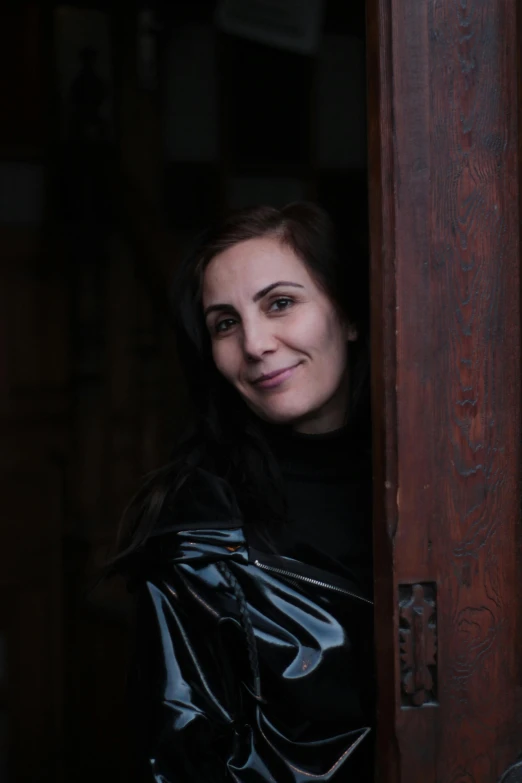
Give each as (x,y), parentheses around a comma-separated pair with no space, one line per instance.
(125,129)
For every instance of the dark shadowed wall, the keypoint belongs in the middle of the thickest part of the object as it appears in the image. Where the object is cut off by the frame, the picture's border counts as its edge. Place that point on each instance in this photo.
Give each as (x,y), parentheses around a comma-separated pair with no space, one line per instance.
(126,127)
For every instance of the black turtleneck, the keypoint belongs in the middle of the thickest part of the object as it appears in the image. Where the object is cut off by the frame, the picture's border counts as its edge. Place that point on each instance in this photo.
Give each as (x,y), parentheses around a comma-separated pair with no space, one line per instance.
(328,488)
(327,478)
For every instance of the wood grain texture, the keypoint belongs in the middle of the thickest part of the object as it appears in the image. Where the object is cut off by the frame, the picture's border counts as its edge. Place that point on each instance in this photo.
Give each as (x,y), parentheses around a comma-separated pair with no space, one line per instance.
(456,348)
(381,170)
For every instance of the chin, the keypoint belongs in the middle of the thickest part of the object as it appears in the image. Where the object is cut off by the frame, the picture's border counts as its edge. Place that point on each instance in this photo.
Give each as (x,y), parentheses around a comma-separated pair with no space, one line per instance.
(283,411)
(282,416)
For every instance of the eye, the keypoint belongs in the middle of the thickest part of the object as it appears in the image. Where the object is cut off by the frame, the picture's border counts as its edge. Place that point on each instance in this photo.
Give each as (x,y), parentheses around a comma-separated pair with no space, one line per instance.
(281,303)
(223,326)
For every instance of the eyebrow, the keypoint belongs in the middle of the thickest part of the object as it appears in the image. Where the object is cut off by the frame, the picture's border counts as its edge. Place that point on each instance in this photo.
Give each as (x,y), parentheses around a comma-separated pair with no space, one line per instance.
(255,298)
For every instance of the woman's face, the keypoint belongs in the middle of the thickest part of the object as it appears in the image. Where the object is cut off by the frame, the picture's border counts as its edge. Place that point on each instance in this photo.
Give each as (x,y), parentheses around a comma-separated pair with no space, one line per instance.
(276,336)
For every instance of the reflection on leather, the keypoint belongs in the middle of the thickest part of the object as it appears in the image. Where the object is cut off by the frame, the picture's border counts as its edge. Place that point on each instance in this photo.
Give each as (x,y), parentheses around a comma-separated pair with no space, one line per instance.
(207,616)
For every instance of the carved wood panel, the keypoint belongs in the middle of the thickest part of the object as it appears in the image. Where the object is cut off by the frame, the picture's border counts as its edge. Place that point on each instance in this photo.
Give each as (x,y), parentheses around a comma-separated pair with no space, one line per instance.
(418,644)
(445,205)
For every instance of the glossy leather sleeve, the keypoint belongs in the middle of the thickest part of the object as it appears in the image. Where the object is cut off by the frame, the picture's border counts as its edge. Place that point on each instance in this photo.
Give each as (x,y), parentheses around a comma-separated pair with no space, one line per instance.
(248,668)
(183,727)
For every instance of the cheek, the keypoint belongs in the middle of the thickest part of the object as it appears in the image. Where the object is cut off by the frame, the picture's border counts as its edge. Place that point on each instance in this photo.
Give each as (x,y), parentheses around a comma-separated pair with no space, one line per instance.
(224,359)
(331,348)
(322,334)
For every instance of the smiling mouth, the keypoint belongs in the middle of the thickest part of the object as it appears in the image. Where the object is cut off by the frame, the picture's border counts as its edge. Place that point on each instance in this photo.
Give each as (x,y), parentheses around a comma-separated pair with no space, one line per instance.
(276,377)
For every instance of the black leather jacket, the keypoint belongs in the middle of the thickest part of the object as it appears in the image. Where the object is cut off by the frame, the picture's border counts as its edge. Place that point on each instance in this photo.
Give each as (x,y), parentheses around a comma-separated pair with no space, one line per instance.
(249,667)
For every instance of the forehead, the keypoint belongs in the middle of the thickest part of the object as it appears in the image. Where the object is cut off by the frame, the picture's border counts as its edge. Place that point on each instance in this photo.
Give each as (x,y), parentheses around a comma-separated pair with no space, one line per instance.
(248,267)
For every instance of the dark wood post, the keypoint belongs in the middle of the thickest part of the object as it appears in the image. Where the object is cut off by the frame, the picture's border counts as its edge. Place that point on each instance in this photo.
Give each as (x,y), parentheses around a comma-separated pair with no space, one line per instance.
(444,198)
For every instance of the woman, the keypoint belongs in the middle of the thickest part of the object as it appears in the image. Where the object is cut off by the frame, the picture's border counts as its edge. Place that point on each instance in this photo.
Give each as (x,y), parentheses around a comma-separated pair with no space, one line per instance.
(249,555)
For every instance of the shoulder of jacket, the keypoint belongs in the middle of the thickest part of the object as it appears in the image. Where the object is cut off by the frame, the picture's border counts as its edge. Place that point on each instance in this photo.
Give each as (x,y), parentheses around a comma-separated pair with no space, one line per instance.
(203,501)
(199,523)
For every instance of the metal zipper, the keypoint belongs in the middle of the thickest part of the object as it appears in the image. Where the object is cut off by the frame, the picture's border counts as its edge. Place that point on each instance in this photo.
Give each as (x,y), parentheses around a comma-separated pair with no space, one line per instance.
(293,575)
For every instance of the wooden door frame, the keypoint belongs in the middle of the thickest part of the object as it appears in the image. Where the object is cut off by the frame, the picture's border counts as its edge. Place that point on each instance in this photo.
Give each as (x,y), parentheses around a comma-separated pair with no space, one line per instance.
(445,266)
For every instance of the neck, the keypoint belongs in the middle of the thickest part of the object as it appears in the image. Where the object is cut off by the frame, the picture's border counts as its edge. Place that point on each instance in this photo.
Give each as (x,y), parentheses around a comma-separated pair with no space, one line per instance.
(319,427)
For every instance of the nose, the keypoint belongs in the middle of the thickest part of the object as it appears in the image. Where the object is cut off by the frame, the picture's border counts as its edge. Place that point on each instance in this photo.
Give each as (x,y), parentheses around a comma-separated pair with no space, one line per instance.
(258,339)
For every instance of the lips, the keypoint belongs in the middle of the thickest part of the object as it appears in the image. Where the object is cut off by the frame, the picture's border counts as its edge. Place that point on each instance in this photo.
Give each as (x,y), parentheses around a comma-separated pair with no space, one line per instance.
(274,378)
